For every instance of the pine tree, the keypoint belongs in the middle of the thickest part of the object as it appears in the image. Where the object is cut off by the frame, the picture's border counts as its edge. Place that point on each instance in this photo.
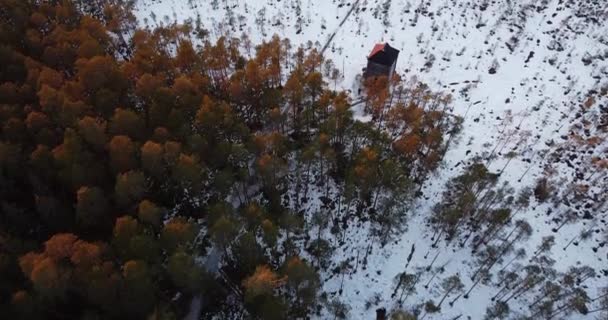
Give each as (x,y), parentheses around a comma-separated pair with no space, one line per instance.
(259,296)
(122,154)
(450,285)
(92,208)
(149,212)
(130,188)
(303,282)
(498,310)
(184,271)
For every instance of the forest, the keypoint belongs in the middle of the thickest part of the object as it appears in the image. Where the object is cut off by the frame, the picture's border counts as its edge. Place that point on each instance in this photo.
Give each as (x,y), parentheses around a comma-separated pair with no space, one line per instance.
(153,173)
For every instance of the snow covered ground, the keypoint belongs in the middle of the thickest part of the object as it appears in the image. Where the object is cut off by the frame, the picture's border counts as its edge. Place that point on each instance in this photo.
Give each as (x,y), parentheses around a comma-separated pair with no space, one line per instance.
(521,66)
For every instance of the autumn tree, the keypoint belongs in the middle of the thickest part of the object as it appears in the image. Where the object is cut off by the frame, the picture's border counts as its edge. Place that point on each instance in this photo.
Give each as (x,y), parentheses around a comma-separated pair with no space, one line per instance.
(303,283)
(259,294)
(122,154)
(92,207)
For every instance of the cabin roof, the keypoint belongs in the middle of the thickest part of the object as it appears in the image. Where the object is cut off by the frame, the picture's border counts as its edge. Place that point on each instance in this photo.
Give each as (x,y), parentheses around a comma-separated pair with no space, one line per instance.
(377,48)
(384,54)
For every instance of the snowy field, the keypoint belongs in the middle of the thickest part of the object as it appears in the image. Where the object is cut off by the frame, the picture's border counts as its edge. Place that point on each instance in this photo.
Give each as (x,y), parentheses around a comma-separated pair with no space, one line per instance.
(519,72)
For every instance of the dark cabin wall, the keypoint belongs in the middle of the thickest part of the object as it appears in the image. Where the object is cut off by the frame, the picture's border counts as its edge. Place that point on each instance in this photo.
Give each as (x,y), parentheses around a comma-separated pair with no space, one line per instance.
(376,69)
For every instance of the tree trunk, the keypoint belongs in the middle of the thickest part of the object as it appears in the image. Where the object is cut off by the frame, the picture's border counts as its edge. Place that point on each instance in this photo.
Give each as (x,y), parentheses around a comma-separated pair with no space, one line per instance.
(495,259)
(451,303)
(560,310)
(523,290)
(376,194)
(466,239)
(499,292)
(597,298)
(494,150)
(597,310)
(444,296)
(508,263)
(426,286)
(307,183)
(342,281)
(466,295)
(317,253)
(298,186)
(434,244)
(432,262)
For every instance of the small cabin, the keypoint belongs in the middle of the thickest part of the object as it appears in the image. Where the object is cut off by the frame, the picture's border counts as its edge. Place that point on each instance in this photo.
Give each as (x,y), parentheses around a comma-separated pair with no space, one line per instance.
(381,61)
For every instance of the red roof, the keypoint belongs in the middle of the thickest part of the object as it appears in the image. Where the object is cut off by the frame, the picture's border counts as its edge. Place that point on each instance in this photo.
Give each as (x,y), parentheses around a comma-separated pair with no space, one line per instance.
(377,48)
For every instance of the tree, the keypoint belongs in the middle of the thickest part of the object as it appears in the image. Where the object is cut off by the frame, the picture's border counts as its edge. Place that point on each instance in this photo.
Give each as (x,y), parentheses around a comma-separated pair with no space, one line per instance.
(130,187)
(184,272)
(38,125)
(125,229)
(366,173)
(122,154)
(248,253)
(92,208)
(320,248)
(51,100)
(47,277)
(139,292)
(303,282)
(450,285)
(465,200)
(402,315)
(76,167)
(271,232)
(93,131)
(498,310)
(259,296)
(547,243)
(377,91)
(99,72)
(69,265)
(177,233)
(338,309)
(125,144)
(152,158)
(407,282)
(602,301)
(223,231)
(261,282)
(147,87)
(187,171)
(294,92)
(542,190)
(149,212)
(127,123)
